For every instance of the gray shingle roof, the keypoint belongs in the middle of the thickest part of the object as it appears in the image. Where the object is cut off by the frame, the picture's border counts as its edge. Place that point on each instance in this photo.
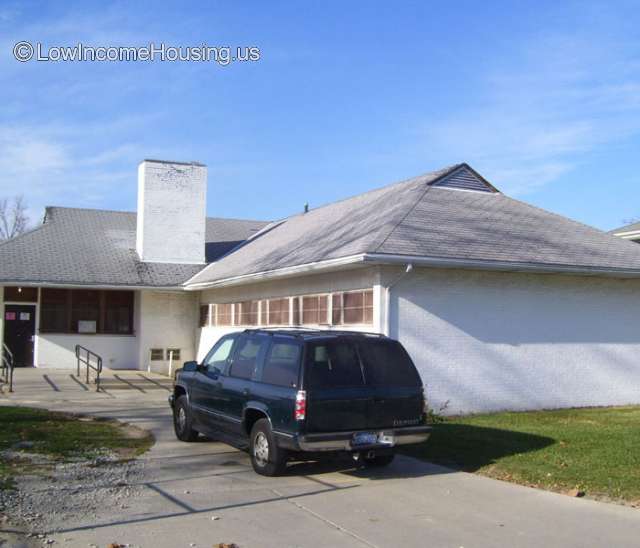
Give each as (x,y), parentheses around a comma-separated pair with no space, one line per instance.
(417,218)
(96,247)
(627,228)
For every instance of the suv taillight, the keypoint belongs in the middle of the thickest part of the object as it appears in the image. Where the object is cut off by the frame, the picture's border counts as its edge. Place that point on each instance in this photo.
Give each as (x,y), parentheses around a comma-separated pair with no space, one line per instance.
(300,412)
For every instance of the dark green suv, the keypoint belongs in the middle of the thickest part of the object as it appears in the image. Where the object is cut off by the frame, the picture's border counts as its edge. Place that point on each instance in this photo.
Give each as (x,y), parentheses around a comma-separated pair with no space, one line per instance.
(287,394)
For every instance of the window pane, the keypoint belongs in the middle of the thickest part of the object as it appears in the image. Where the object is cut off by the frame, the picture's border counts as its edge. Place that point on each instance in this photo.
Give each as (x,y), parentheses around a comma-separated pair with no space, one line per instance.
(85,310)
(219,354)
(278,312)
(245,358)
(223,314)
(314,309)
(53,311)
(248,313)
(204,315)
(333,364)
(118,314)
(353,307)
(282,366)
(368,306)
(173,354)
(358,307)
(21,294)
(156,354)
(387,363)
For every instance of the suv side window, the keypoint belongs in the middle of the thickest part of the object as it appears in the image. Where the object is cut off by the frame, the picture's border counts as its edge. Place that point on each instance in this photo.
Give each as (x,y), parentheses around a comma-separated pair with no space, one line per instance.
(245,359)
(219,354)
(282,366)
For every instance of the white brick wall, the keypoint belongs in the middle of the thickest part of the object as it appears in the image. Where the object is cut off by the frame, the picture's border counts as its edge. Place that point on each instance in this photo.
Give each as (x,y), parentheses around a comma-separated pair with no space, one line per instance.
(171,212)
(58,350)
(167,320)
(491,341)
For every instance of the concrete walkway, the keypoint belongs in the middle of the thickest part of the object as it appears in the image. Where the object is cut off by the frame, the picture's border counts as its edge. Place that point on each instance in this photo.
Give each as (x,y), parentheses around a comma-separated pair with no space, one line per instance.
(204,493)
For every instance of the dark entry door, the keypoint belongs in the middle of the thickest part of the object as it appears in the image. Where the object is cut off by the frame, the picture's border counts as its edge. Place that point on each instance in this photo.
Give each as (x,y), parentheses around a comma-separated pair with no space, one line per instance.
(19,331)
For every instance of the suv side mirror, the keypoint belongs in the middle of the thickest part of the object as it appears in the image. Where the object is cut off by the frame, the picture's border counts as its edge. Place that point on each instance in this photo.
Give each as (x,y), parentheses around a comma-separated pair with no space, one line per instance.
(191,366)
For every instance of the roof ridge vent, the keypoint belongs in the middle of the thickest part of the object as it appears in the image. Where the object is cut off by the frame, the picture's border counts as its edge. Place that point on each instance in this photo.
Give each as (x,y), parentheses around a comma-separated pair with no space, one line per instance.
(464,178)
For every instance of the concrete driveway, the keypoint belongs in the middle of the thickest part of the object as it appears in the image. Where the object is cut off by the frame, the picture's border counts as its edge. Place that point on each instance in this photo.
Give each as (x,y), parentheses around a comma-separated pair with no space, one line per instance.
(204,493)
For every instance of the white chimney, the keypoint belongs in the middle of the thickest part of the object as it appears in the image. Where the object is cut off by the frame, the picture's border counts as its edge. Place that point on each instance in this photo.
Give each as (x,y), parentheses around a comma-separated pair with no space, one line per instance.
(172,200)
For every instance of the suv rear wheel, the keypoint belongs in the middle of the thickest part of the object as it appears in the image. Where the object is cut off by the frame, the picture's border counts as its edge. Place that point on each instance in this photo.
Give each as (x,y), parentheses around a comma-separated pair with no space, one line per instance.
(182,420)
(266,457)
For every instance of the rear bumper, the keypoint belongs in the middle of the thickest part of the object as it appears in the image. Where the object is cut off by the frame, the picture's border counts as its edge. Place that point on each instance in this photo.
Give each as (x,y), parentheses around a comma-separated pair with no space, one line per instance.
(341,441)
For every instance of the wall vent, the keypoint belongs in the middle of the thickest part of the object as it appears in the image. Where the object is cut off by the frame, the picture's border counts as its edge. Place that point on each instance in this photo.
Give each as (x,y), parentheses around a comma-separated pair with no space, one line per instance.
(464,179)
(157,354)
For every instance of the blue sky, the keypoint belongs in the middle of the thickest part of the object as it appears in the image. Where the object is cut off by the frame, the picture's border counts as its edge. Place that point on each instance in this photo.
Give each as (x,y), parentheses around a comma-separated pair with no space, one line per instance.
(543,99)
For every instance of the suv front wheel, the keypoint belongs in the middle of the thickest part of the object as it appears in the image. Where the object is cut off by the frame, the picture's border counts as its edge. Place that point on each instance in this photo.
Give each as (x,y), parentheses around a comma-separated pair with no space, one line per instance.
(182,420)
(266,457)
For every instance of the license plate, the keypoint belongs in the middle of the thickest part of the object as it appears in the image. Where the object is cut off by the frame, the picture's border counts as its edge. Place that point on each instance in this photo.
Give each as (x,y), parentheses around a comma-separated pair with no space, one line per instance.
(364,438)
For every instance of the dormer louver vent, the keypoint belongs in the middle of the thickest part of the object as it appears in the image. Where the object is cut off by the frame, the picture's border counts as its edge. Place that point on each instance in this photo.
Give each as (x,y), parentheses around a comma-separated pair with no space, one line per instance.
(464,179)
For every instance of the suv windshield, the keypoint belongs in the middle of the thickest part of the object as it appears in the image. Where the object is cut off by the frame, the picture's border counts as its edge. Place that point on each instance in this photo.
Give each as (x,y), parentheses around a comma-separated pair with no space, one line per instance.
(387,363)
(332,364)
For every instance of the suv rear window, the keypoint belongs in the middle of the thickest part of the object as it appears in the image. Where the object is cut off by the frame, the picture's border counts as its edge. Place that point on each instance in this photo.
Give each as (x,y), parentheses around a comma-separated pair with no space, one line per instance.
(333,363)
(282,365)
(386,362)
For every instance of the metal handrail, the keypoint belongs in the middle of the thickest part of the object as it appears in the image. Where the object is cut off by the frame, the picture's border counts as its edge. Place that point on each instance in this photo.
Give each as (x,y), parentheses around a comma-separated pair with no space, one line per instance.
(8,366)
(86,360)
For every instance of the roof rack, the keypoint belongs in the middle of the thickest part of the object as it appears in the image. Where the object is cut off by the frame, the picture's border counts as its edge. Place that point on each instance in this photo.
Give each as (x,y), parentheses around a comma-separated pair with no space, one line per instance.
(301,331)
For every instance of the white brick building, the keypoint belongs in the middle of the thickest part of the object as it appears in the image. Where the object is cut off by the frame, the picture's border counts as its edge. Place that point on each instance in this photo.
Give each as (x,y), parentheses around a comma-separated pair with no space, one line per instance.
(500,304)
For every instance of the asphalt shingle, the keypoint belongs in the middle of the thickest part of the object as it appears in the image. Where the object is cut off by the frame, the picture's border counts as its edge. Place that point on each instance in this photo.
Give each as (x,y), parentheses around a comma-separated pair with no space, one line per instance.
(422,217)
(96,247)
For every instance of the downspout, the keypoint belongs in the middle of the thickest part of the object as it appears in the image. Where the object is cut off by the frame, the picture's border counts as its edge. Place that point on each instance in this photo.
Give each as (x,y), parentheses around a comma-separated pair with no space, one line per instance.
(387,297)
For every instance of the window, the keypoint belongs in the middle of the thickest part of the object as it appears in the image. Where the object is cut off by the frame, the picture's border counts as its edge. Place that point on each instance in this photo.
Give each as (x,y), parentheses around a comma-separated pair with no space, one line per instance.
(86,311)
(246,356)
(205,315)
(247,313)
(387,363)
(353,307)
(314,309)
(278,313)
(118,312)
(219,354)
(332,364)
(157,354)
(173,354)
(282,365)
(54,308)
(224,314)
(21,294)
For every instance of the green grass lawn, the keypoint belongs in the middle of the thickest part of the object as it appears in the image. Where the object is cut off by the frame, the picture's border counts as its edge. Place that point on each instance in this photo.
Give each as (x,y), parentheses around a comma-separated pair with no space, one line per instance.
(62,437)
(596,450)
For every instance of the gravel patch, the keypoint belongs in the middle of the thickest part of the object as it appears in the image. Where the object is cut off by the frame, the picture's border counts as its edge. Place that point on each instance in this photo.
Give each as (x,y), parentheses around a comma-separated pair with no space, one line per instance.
(57,496)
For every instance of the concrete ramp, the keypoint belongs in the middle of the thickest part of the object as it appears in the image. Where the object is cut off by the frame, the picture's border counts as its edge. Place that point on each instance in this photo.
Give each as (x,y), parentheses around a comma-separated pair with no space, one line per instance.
(52,384)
